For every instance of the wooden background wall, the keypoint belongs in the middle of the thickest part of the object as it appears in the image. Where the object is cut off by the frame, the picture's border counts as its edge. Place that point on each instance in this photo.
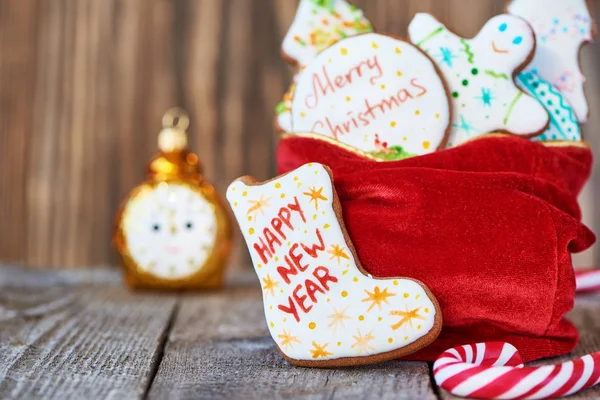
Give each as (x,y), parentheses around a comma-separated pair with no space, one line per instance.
(83,85)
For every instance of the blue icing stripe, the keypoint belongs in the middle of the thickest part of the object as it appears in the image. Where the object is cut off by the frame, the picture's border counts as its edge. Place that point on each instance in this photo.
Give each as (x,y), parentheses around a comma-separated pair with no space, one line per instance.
(563,124)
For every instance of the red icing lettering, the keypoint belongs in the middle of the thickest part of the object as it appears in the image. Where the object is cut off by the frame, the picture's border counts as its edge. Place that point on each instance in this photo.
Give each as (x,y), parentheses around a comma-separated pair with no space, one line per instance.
(311,289)
(295,206)
(263,251)
(301,299)
(291,309)
(277,224)
(271,239)
(315,248)
(322,275)
(312,100)
(285,272)
(413,82)
(285,215)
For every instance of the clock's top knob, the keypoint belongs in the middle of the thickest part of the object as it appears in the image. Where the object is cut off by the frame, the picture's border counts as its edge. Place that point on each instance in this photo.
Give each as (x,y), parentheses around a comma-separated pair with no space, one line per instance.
(174,161)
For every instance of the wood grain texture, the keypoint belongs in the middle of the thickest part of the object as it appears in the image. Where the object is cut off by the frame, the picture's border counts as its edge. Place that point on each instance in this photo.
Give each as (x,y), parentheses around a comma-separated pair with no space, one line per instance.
(69,337)
(84,83)
(220,348)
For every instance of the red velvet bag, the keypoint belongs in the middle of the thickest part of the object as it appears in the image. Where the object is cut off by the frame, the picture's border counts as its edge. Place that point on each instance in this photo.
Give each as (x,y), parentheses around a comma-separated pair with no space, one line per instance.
(488,226)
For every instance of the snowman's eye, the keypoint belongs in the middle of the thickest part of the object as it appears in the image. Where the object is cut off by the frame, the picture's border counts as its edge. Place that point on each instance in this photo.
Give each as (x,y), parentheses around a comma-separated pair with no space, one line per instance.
(502,27)
(156,227)
(189,225)
(518,40)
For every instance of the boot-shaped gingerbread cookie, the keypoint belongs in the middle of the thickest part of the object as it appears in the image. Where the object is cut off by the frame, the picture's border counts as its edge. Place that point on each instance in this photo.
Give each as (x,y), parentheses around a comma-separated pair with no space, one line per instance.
(321,306)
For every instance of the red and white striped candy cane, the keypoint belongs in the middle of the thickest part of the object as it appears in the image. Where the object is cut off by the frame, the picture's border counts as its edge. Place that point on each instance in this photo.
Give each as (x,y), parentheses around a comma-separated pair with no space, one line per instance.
(495,370)
(588,281)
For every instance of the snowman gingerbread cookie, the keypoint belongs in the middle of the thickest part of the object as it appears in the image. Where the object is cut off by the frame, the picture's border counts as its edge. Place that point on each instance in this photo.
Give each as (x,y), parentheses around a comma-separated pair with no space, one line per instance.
(480,74)
(322,308)
(561,28)
(376,93)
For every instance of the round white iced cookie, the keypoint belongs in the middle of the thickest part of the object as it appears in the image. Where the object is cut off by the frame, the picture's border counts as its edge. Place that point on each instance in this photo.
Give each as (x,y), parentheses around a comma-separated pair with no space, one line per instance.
(563,123)
(169,230)
(479,72)
(375,93)
(561,27)
(322,310)
(319,24)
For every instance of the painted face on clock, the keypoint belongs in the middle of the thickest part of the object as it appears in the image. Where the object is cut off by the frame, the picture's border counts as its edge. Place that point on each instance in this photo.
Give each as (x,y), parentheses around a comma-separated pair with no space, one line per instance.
(169,230)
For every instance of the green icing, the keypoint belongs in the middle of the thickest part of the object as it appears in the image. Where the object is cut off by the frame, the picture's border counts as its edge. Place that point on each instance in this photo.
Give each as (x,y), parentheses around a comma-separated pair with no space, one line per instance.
(395,153)
(280,108)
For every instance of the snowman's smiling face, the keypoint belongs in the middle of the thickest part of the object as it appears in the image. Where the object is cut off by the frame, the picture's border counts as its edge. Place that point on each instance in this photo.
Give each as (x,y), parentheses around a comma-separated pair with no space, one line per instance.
(503,37)
(169,230)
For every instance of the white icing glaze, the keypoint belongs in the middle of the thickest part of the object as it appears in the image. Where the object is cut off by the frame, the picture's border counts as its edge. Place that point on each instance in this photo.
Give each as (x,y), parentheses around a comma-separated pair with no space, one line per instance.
(375,93)
(354,316)
(169,230)
(561,27)
(479,72)
(319,24)
(284,109)
(563,123)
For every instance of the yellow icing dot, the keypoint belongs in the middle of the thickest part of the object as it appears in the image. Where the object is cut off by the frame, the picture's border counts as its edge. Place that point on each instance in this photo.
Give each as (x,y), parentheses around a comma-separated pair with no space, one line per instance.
(390,340)
(270,307)
(289,243)
(405,138)
(405,337)
(406,295)
(361,317)
(244,193)
(312,325)
(419,327)
(233,189)
(281,291)
(302,114)
(395,282)
(374,45)
(383,86)
(309,164)
(426,144)
(344,51)
(344,293)
(399,73)
(330,60)
(344,272)
(277,185)
(393,124)
(328,299)
(259,266)
(272,325)
(417,296)
(348,98)
(282,195)
(295,178)
(276,259)
(285,319)
(339,343)
(398,51)
(437,116)
(326,226)
(417,112)
(379,319)
(235,203)
(426,309)
(299,184)
(355,279)
(314,217)
(249,218)
(251,231)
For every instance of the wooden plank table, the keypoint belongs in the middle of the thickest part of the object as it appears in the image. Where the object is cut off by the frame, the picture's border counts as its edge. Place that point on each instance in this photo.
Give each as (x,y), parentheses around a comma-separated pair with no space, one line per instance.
(81,334)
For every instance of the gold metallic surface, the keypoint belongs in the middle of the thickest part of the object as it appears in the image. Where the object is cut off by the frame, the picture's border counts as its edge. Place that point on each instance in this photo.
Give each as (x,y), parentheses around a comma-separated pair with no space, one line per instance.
(177,165)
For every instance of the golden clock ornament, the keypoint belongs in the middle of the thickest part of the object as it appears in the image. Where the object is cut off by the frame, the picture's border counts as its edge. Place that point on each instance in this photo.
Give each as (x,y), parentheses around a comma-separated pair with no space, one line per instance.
(173,231)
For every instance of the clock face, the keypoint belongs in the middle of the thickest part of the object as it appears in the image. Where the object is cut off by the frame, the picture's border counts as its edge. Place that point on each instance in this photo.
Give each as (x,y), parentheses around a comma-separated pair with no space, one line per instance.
(169,230)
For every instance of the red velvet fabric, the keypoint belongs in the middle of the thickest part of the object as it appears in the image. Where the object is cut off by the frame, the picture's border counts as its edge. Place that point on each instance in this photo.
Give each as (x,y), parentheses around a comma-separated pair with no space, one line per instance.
(488,226)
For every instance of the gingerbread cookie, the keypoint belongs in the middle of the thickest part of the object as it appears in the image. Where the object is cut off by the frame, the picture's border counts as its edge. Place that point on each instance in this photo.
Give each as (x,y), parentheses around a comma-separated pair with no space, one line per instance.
(322,308)
(376,93)
(480,71)
(561,27)
(563,123)
(319,24)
